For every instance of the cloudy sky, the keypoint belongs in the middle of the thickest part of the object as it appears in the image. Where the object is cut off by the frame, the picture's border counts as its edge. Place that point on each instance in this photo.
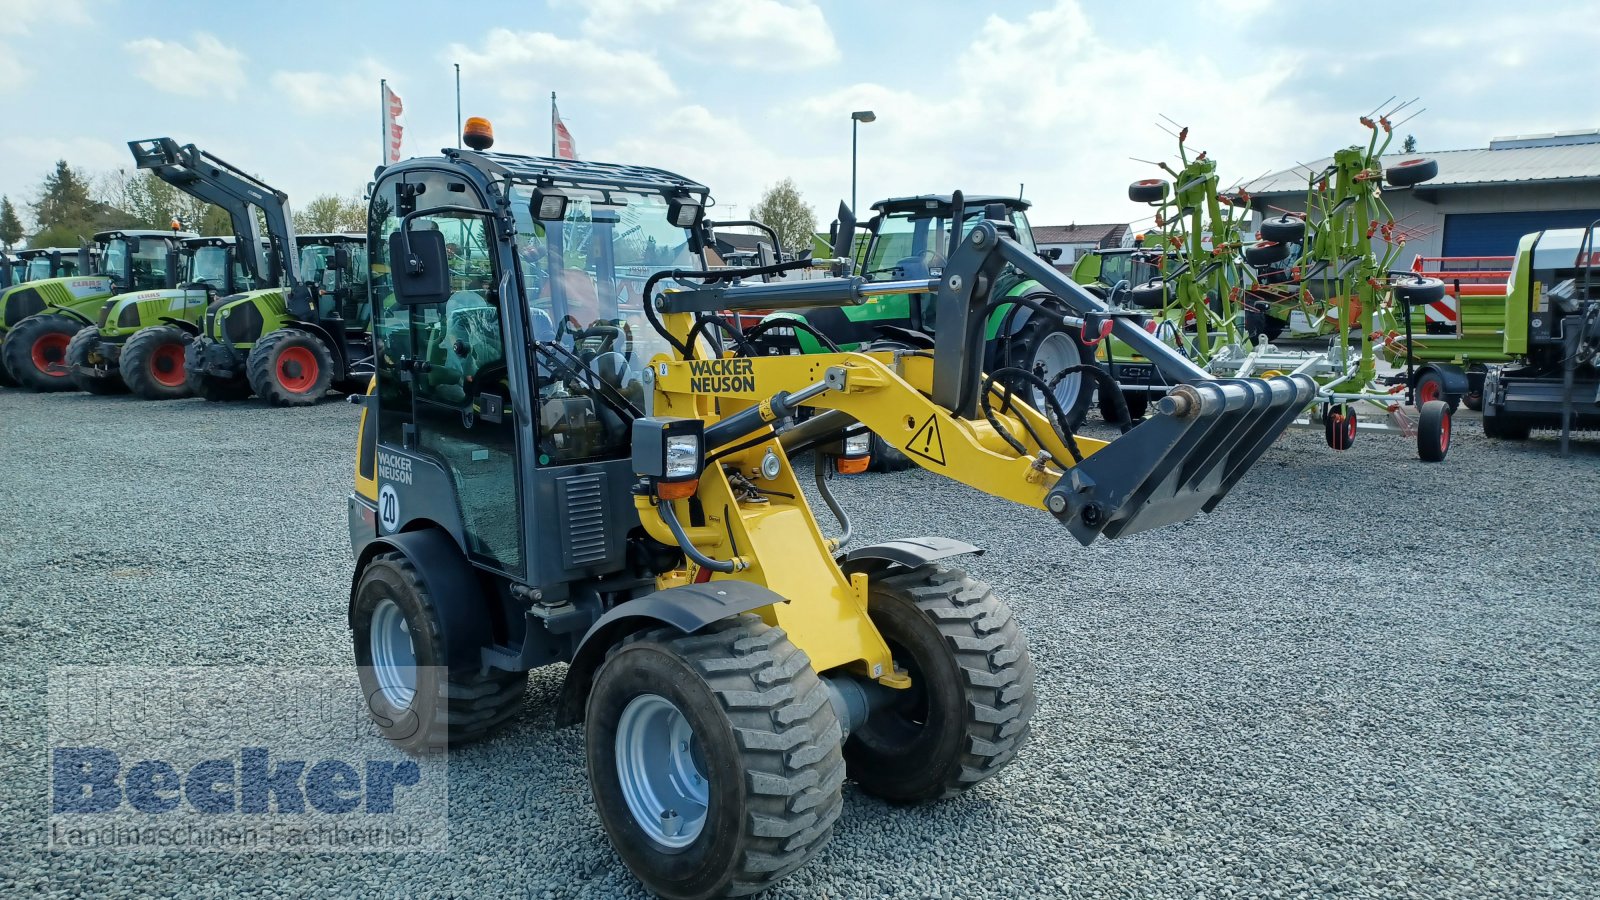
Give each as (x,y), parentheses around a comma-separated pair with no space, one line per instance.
(1053,94)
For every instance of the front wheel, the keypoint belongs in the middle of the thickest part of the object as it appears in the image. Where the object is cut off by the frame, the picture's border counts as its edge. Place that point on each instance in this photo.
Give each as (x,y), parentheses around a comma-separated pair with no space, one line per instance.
(966,713)
(1433,431)
(152,363)
(36,352)
(290,367)
(82,361)
(713,757)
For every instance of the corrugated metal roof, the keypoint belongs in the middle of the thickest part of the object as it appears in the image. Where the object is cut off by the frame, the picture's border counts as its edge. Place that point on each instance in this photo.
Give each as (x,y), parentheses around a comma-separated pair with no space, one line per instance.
(1460,168)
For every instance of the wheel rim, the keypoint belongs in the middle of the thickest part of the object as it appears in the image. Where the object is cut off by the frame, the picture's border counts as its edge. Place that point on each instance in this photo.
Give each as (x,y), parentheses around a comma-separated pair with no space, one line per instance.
(297,369)
(49,351)
(394,657)
(1428,389)
(659,768)
(1057,351)
(1444,434)
(166,365)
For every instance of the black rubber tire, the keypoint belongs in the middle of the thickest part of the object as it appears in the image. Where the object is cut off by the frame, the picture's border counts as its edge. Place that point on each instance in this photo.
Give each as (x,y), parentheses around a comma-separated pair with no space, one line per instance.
(1148,190)
(141,362)
(209,387)
(1504,427)
(1150,294)
(1258,324)
(1473,400)
(84,373)
(968,709)
(1433,431)
(1411,171)
(1339,426)
(6,378)
(1265,254)
(1023,346)
(467,707)
(1430,386)
(18,351)
(1418,291)
(1138,403)
(769,738)
(887,457)
(1284,229)
(262,368)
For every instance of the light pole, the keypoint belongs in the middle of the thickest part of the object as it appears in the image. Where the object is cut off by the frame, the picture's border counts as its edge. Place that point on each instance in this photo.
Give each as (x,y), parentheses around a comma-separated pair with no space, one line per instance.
(856,119)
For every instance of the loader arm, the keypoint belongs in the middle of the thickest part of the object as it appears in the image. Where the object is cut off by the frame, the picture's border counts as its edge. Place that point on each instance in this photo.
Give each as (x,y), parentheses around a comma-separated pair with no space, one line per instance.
(240,194)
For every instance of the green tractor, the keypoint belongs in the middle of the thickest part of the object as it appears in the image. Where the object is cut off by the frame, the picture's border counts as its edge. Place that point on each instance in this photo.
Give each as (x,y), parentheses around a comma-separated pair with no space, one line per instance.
(13,270)
(139,342)
(910,238)
(40,318)
(290,340)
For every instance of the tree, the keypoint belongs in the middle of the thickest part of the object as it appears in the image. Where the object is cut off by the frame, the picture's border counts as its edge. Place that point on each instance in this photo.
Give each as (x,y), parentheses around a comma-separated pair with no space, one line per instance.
(1410,145)
(146,201)
(785,212)
(331,213)
(10,225)
(64,205)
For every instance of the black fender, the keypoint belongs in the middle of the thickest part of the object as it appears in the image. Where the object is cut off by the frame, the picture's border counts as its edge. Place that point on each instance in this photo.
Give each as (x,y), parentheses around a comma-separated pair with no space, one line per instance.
(905,553)
(688,608)
(451,582)
(184,325)
(1456,382)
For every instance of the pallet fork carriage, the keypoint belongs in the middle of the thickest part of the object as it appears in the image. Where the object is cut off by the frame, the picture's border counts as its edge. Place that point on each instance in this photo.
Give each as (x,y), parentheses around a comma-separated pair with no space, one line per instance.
(278,341)
(551,468)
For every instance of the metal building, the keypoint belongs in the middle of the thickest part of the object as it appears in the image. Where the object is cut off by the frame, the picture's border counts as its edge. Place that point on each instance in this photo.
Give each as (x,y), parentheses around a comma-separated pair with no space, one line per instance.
(1483,200)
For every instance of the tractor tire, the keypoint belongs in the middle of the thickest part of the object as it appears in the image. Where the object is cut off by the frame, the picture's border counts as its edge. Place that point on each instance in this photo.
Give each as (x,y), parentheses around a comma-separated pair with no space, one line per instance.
(1258,324)
(966,713)
(209,387)
(152,363)
(35,352)
(1138,403)
(713,758)
(1045,348)
(888,458)
(1410,172)
(290,367)
(1433,431)
(1505,428)
(1418,291)
(6,378)
(401,661)
(1265,254)
(1148,190)
(1283,229)
(1473,400)
(1150,294)
(84,374)
(1339,426)
(1430,387)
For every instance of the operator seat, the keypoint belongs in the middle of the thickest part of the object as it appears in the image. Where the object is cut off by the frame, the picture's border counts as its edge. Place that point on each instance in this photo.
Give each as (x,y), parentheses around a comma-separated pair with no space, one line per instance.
(920,266)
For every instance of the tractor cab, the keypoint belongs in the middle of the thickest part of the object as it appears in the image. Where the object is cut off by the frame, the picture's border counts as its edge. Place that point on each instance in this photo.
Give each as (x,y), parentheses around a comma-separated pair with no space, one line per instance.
(140,260)
(213,263)
(48,262)
(1112,273)
(13,270)
(334,268)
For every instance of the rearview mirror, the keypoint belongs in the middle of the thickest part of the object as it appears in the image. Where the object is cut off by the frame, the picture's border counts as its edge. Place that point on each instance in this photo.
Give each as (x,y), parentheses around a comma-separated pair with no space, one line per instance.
(133,245)
(419,268)
(1051,253)
(844,237)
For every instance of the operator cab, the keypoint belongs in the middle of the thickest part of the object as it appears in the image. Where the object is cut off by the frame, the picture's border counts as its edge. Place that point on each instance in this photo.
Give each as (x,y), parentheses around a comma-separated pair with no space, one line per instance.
(47,262)
(139,260)
(214,265)
(334,266)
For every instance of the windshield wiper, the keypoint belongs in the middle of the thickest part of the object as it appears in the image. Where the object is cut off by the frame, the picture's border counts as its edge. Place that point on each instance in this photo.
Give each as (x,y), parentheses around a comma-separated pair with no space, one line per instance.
(565,359)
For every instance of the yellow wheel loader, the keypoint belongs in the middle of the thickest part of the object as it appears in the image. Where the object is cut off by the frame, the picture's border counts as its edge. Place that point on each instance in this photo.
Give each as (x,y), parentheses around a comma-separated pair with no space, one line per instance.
(568,456)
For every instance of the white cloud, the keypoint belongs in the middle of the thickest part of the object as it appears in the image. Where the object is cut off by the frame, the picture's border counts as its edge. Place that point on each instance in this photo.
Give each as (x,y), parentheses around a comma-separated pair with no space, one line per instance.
(322,93)
(19,16)
(775,35)
(526,64)
(207,68)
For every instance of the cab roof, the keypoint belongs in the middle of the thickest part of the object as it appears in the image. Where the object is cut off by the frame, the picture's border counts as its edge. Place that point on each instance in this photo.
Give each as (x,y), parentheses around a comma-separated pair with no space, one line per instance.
(32,252)
(143,233)
(577,171)
(331,237)
(942,202)
(215,240)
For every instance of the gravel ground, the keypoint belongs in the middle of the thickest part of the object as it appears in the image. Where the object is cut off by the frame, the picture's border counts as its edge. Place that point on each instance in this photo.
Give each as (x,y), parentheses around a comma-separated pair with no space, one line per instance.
(1363,675)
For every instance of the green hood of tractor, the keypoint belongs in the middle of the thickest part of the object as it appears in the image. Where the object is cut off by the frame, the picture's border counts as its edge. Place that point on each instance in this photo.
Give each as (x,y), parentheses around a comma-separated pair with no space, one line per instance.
(125,314)
(241,319)
(82,296)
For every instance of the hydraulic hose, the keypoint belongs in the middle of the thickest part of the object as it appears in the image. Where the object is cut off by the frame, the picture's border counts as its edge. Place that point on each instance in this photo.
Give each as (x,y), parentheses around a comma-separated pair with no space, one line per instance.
(820,466)
(670,516)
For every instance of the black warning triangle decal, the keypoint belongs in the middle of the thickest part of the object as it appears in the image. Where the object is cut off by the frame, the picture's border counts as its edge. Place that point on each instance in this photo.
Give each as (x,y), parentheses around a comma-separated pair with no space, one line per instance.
(926,443)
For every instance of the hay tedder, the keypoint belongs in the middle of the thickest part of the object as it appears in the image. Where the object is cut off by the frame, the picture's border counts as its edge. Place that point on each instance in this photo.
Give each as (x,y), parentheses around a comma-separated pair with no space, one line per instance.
(555,467)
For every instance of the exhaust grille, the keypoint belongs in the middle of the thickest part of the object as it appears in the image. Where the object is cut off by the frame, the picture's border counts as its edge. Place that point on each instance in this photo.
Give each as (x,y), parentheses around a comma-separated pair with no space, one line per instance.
(583,519)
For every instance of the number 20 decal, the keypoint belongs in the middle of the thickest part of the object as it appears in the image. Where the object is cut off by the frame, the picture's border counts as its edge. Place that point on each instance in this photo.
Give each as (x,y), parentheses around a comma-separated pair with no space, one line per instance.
(388,508)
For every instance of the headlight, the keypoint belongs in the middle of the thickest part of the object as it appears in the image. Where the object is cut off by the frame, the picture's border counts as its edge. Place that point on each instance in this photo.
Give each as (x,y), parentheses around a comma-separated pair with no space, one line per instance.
(668,454)
(858,444)
(683,456)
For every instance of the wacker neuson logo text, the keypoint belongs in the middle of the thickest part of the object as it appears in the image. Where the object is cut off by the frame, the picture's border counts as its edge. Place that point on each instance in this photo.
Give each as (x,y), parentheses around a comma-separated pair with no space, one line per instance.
(233,760)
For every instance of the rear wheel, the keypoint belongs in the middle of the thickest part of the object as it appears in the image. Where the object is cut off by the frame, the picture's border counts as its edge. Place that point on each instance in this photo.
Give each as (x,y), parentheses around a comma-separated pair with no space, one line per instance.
(152,363)
(83,361)
(1433,431)
(1430,387)
(966,713)
(713,757)
(36,352)
(412,695)
(1045,349)
(290,367)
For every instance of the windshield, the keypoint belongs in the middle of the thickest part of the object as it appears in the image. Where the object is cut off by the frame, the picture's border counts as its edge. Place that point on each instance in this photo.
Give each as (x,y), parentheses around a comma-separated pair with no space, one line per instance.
(210,267)
(316,261)
(912,243)
(38,267)
(143,269)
